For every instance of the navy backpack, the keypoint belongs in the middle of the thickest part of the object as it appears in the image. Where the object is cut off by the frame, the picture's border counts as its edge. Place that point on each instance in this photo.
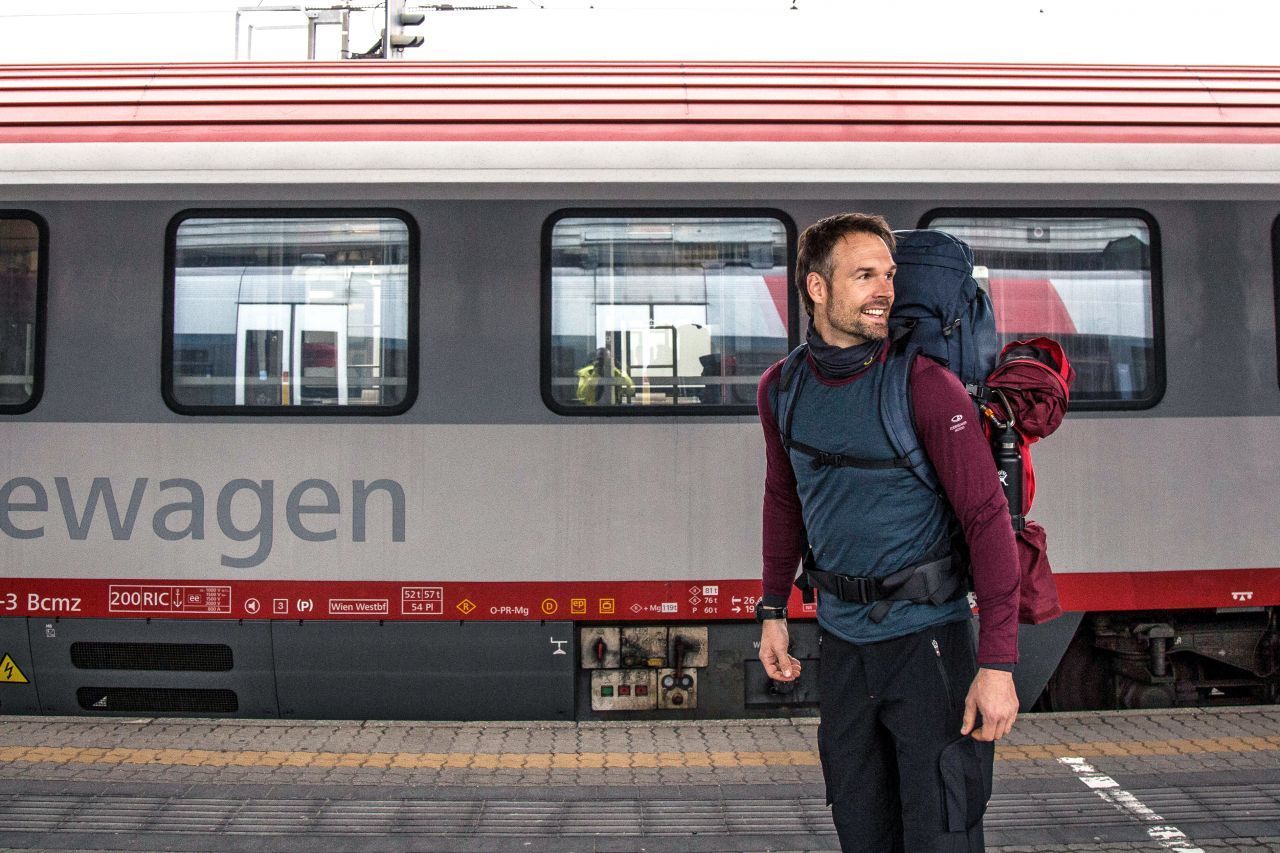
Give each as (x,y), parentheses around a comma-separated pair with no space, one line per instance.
(940,309)
(1022,391)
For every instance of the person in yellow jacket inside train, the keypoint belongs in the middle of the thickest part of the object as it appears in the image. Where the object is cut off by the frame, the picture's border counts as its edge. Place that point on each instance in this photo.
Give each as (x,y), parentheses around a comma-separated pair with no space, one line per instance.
(610,392)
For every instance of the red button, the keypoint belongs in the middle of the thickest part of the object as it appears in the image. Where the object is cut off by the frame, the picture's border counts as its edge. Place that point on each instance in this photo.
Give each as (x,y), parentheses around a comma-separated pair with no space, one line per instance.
(642,690)
(624,690)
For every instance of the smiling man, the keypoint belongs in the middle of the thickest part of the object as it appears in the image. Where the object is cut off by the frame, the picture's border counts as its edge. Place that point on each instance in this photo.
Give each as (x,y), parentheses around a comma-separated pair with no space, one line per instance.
(909,715)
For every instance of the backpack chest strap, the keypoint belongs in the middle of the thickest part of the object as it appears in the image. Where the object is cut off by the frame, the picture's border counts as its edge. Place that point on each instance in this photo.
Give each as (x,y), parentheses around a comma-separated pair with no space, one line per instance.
(825,459)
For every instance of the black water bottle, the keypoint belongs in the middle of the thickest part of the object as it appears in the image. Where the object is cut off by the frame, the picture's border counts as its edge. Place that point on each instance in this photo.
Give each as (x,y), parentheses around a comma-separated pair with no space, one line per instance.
(1004,442)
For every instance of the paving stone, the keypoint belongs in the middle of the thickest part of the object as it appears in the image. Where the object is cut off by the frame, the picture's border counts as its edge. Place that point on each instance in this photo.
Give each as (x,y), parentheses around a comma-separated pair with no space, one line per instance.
(614,755)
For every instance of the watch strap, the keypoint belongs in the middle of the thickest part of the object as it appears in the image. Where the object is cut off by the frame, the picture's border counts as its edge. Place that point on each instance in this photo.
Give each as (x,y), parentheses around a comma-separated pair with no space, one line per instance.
(765,611)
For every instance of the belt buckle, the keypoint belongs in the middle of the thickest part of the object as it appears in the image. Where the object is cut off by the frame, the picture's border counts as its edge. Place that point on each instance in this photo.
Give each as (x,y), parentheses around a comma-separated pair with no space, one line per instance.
(862,588)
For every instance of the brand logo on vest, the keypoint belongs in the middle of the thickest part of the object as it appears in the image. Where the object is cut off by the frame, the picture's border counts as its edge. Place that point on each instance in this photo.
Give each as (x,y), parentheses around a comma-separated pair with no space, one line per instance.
(958,423)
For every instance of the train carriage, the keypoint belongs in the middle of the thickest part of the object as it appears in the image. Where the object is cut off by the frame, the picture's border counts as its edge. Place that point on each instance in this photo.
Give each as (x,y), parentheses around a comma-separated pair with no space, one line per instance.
(427,390)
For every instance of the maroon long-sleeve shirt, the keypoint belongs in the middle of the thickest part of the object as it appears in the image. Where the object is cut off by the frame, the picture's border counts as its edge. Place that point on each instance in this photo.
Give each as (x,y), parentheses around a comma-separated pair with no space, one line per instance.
(966,471)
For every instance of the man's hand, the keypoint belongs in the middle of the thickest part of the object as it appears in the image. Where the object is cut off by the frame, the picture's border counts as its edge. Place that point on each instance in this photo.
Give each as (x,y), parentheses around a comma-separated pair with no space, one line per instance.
(774,642)
(992,695)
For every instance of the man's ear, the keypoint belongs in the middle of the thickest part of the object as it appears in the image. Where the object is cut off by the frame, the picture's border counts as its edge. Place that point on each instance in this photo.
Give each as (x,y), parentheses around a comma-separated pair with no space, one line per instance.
(816,285)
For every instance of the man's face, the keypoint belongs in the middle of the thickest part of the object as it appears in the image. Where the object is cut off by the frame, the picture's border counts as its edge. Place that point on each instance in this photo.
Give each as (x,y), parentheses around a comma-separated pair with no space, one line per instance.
(853,307)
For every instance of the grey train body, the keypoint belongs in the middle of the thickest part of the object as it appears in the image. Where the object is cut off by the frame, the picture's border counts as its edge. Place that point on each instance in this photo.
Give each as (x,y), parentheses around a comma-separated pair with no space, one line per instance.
(499,488)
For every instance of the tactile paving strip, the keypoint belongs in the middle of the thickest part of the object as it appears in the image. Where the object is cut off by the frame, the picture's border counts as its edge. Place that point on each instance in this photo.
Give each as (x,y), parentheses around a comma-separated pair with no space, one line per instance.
(104,813)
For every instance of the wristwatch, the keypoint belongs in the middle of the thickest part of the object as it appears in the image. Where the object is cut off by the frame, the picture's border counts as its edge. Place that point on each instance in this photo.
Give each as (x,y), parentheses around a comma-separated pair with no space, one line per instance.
(764,611)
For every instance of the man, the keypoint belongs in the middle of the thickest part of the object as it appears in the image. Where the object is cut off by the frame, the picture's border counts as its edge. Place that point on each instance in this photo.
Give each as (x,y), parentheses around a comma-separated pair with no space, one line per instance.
(602,383)
(908,718)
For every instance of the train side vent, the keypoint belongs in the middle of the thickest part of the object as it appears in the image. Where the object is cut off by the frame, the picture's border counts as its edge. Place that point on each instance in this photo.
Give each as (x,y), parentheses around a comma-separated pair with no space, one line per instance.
(141,700)
(170,657)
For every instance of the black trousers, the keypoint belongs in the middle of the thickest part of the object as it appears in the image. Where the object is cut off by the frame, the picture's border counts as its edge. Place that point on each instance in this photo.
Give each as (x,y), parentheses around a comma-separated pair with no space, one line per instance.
(900,779)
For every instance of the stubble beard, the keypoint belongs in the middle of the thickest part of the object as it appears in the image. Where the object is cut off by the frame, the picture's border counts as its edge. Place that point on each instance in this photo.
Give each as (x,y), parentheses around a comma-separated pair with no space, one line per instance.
(857,326)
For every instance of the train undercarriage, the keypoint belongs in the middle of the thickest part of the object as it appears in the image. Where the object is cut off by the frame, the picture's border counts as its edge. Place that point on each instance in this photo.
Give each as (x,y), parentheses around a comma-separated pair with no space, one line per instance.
(1166,659)
(567,670)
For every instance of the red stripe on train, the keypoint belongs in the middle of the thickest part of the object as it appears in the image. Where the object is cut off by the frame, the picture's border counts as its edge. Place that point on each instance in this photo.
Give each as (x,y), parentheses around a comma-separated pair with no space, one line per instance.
(18,131)
(694,600)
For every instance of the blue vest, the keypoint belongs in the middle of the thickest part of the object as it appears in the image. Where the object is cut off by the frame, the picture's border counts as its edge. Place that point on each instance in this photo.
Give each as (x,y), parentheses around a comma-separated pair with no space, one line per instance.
(864,521)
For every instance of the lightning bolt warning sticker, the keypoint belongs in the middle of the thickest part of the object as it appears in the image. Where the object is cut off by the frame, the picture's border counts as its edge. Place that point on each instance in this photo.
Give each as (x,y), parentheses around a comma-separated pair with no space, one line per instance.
(9,672)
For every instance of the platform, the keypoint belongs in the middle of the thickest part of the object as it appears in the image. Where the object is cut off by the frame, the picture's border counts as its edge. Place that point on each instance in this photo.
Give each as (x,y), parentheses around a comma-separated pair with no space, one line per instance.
(1177,780)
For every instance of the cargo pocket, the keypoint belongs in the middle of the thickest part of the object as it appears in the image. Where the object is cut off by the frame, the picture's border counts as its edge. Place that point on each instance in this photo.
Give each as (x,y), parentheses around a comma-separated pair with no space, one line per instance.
(966,765)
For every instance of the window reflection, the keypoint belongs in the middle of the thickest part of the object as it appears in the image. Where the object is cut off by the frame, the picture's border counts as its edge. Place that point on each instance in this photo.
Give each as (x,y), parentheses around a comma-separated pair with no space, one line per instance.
(19,278)
(665,311)
(1084,280)
(288,312)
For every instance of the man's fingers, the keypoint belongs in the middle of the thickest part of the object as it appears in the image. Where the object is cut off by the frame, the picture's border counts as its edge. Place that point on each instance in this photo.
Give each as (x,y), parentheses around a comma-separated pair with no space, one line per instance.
(984,733)
(769,658)
(774,652)
(992,695)
(970,716)
(993,728)
(787,667)
(779,665)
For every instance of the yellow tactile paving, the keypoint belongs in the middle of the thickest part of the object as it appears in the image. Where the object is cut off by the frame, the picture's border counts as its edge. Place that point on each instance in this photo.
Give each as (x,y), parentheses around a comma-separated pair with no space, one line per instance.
(583,760)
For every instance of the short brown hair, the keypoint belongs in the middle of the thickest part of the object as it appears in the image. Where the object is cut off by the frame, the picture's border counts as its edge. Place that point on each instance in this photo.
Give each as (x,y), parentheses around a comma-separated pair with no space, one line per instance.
(813,254)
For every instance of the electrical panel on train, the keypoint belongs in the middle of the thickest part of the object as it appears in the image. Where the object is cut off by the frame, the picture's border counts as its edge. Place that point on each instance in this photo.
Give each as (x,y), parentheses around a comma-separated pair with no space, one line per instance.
(644,668)
(624,690)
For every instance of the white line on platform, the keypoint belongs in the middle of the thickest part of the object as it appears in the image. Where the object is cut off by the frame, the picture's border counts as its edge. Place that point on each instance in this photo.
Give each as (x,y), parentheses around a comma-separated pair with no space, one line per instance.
(1168,837)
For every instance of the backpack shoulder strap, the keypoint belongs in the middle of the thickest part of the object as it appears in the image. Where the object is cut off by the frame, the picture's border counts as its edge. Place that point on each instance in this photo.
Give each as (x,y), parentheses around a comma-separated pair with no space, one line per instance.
(788,390)
(789,366)
(895,412)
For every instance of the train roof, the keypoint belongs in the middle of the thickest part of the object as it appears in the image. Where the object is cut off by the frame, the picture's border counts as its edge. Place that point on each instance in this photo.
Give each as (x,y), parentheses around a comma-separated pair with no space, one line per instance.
(638,101)
(648,103)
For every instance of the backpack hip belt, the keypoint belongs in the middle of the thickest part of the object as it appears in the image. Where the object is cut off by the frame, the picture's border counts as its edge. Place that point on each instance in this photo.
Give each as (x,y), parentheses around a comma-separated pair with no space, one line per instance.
(933,582)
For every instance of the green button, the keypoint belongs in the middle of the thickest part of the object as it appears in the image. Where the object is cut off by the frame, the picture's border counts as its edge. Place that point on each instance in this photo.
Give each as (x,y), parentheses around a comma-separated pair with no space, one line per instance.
(607,690)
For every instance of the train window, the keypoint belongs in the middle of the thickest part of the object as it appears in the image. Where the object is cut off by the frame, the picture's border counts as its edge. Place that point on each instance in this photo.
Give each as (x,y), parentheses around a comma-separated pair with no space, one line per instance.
(1090,279)
(1275,260)
(299,312)
(23,267)
(650,312)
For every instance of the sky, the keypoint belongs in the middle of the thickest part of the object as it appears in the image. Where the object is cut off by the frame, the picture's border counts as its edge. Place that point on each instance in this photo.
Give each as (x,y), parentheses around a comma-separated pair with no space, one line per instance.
(1234,32)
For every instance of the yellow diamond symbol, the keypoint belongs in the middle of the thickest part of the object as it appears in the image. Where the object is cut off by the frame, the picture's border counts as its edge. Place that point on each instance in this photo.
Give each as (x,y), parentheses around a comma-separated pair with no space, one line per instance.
(466,605)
